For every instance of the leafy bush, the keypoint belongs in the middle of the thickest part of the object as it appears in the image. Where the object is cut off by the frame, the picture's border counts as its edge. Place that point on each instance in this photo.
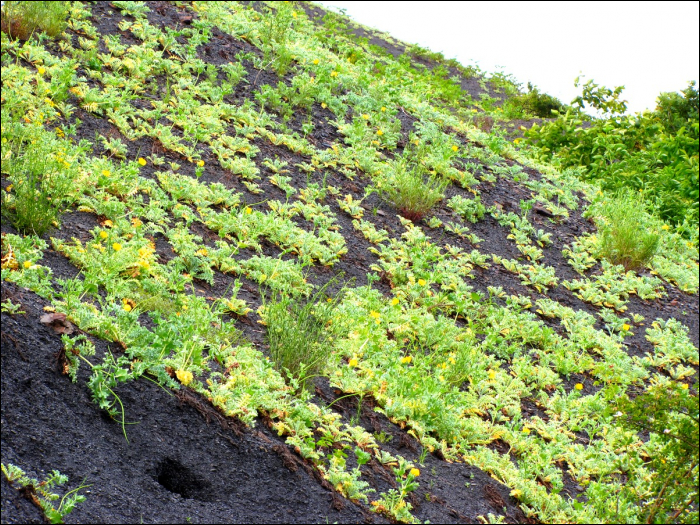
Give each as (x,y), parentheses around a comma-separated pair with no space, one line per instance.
(669,412)
(623,237)
(412,192)
(297,332)
(22,19)
(533,103)
(675,109)
(652,152)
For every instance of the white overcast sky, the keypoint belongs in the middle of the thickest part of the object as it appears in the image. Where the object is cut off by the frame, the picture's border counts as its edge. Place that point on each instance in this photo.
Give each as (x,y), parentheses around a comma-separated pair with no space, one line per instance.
(649,47)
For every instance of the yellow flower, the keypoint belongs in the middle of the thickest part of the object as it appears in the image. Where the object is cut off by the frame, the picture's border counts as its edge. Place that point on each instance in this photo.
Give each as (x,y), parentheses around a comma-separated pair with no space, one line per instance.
(383,109)
(374,315)
(200,163)
(142,161)
(365,116)
(578,386)
(104,234)
(316,61)
(324,105)
(248,210)
(203,252)
(414,472)
(517,141)
(665,227)
(421,282)
(626,327)
(526,430)
(106,173)
(684,386)
(353,362)
(334,73)
(116,246)
(27,264)
(380,132)
(406,360)
(455,148)
(127,307)
(394,301)
(41,70)
(184,376)
(136,222)
(492,374)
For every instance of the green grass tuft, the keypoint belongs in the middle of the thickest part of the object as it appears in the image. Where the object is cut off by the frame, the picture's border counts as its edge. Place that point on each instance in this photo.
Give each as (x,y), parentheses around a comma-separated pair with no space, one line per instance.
(22,19)
(623,238)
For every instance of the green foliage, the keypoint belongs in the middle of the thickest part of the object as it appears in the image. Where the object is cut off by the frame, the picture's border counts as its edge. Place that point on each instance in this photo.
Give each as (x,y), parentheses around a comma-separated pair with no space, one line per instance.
(655,153)
(410,191)
(41,492)
(437,359)
(676,109)
(533,103)
(41,178)
(623,237)
(274,34)
(600,98)
(297,332)
(669,413)
(21,19)
(8,307)
(471,210)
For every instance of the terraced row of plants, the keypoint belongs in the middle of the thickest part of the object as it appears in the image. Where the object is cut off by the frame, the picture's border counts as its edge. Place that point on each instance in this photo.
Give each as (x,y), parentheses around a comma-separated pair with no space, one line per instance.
(231,165)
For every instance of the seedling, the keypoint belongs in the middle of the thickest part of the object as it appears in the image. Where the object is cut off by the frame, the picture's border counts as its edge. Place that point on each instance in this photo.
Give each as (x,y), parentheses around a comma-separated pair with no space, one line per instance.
(41,492)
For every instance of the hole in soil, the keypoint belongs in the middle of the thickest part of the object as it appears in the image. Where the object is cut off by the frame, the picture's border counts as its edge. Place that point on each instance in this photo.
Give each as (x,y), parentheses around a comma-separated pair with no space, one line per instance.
(177,478)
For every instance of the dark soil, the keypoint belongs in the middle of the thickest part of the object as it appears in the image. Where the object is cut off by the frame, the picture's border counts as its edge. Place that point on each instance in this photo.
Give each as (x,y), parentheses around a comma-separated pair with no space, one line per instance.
(183,461)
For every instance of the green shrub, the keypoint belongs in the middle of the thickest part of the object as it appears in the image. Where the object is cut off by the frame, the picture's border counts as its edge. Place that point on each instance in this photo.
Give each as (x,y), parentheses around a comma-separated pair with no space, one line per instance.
(668,411)
(533,104)
(41,179)
(22,19)
(412,192)
(298,334)
(652,152)
(623,237)
(676,109)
